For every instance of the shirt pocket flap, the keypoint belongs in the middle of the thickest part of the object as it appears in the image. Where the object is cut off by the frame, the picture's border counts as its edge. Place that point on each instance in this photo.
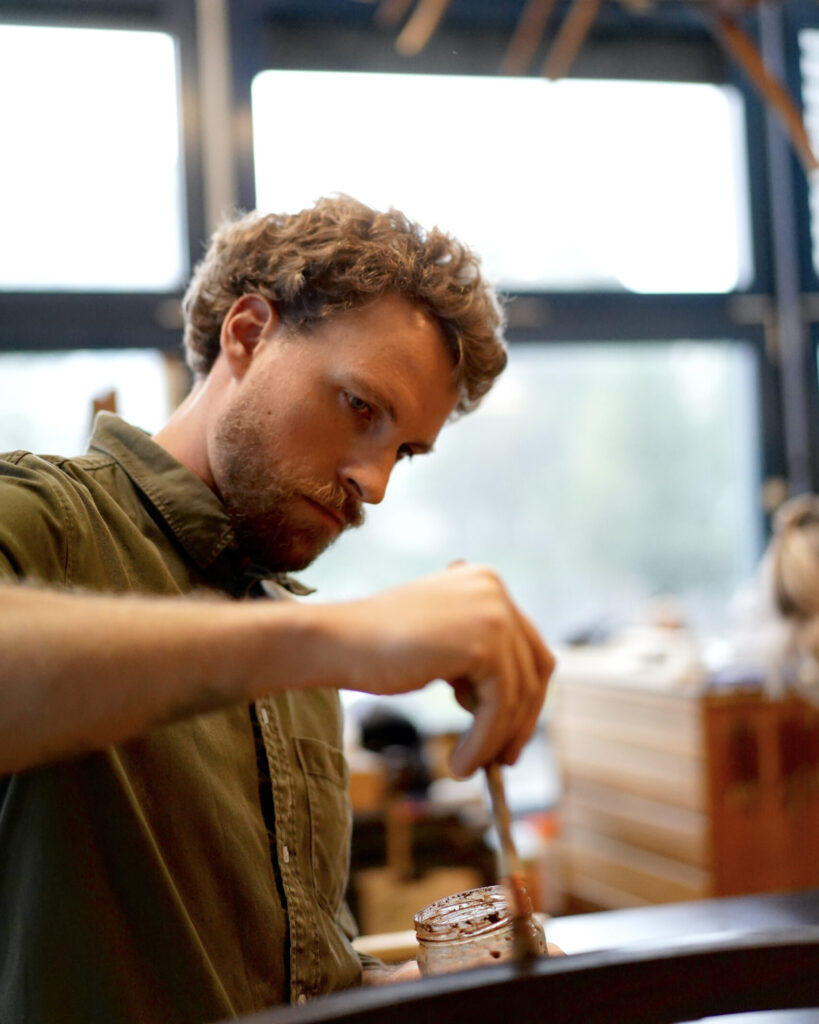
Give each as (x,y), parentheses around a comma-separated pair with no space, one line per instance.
(319,758)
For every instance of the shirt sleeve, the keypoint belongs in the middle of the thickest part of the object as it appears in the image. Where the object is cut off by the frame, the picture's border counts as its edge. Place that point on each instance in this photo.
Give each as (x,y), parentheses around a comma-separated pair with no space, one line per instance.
(349,926)
(34,520)
(369,962)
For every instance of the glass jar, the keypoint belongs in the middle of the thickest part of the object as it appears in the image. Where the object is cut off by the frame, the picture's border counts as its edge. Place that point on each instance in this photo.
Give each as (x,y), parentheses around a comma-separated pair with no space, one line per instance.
(470,929)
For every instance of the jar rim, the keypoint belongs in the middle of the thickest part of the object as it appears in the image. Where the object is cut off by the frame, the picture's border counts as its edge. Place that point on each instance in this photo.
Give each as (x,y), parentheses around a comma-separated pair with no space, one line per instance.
(464,915)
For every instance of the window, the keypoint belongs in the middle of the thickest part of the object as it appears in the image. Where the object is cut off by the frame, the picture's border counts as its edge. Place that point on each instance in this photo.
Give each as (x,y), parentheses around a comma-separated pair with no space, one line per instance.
(594,477)
(46,398)
(619,470)
(91,191)
(606,185)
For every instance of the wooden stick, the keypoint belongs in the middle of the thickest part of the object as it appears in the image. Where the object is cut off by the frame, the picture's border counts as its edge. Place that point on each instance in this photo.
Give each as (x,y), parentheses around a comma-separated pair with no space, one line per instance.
(527,36)
(511,869)
(742,49)
(420,27)
(570,38)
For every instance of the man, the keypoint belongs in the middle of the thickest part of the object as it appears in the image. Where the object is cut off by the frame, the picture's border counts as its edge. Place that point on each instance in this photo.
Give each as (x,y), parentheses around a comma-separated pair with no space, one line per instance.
(174,827)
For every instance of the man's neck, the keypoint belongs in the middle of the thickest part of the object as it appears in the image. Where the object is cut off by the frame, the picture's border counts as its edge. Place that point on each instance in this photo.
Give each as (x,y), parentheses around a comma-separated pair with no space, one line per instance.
(185,434)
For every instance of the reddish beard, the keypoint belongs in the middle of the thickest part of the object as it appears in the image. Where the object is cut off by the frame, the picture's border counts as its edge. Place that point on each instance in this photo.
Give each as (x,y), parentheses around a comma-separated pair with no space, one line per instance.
(264,498)
(275,533)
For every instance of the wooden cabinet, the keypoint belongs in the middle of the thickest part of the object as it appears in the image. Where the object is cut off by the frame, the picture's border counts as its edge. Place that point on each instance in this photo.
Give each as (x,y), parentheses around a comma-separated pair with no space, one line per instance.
(672,796)
(763,792)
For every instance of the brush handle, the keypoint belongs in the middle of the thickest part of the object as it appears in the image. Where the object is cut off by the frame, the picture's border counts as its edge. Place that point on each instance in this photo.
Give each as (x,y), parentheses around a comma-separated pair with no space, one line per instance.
(510,868)
(503,821)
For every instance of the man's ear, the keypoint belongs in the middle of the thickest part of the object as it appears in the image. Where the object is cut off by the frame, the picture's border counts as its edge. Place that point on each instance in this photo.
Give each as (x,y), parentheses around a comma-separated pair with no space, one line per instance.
(249,320)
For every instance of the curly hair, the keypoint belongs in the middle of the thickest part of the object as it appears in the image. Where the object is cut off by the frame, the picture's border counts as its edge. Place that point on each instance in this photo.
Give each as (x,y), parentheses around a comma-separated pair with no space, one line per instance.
(334,257)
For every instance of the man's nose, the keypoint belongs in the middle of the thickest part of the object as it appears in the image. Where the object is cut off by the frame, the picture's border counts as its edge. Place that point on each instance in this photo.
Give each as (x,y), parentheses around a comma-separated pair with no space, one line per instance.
(368,478)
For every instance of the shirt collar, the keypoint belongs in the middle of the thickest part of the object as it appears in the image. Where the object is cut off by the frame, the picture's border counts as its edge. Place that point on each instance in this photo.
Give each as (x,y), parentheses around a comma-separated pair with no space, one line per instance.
(193,513)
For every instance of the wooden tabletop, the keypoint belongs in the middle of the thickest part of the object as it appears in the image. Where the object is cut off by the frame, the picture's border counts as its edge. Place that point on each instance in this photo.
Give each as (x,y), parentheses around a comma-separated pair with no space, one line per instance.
(674,922)
(669,963)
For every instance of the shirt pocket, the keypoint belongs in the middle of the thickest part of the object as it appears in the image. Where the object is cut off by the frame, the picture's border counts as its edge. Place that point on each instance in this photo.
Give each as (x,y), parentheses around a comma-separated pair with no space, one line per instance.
(327,777)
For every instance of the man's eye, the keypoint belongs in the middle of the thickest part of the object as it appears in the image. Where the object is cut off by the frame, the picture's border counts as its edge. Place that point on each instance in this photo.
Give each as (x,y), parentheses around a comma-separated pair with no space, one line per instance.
(359,405)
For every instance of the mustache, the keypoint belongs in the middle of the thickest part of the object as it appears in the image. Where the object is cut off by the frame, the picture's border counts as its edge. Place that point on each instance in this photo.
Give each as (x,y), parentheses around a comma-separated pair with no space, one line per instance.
(341,502)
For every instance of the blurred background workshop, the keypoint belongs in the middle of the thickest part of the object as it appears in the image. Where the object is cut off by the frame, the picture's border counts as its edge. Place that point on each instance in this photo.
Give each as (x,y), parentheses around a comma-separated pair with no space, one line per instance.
(639,179)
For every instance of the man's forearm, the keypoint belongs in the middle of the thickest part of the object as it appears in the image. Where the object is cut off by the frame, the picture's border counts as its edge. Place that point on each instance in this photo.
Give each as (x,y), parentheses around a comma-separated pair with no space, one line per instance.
(81,671)
(78,672)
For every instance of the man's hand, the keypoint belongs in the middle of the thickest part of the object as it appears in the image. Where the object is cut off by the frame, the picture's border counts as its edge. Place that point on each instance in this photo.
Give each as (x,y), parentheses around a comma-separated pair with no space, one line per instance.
(462,626)
(408,971)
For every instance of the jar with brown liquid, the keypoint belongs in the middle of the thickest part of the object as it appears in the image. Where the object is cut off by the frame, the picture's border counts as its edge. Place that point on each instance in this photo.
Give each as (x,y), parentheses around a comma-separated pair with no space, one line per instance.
(470,929)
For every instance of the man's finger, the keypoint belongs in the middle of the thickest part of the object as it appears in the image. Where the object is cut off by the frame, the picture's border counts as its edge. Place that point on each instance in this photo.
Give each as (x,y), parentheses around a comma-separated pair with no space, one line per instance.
(527,703)
(484,741)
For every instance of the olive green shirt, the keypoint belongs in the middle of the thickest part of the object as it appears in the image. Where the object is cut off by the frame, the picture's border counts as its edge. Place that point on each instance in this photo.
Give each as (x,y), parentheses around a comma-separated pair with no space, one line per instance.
(142,883)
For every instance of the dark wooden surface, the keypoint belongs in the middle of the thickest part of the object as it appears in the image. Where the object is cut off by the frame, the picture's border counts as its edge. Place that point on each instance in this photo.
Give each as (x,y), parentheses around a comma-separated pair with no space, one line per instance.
(672,922)
(671,963)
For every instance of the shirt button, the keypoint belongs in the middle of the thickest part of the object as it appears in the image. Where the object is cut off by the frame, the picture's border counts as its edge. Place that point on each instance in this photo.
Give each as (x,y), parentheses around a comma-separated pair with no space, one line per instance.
(301,999)
(285,855)
(264,718)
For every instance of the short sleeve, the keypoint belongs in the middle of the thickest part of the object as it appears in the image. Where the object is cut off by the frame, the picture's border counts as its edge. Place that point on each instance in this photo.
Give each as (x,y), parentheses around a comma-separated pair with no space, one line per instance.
(34,520)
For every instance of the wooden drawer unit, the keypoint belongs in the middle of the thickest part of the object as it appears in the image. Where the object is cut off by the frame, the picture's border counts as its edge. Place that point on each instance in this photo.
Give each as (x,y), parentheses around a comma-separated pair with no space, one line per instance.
(763,793)
(670,796)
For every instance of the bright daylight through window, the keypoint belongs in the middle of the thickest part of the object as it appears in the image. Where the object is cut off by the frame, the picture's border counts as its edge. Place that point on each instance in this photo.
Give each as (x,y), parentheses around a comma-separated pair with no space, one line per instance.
(46,398)
(96,154)
(595,477)
(572,184)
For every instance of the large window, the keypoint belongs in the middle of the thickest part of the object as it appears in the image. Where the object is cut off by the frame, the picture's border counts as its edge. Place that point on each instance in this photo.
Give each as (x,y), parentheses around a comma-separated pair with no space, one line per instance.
(604,185)
(47,398)
(595,477)
(91,185)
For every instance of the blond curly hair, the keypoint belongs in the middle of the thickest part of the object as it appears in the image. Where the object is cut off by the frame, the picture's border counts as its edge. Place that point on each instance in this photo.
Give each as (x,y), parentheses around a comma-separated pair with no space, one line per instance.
(334,257)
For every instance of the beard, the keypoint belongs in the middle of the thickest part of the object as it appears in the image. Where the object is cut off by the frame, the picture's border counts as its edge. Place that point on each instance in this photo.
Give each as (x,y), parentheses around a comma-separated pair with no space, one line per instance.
(274,526)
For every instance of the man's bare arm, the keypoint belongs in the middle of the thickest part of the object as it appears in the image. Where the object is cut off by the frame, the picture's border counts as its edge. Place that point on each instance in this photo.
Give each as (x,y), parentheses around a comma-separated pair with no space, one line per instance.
(81,671)
(78,672)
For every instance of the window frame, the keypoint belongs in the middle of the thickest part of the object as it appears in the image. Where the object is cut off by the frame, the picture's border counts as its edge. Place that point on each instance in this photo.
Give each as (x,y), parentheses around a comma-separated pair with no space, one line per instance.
(44,320)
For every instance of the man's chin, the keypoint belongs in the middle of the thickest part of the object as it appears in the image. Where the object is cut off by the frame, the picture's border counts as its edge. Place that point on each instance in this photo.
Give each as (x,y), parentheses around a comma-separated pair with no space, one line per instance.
(298,554)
